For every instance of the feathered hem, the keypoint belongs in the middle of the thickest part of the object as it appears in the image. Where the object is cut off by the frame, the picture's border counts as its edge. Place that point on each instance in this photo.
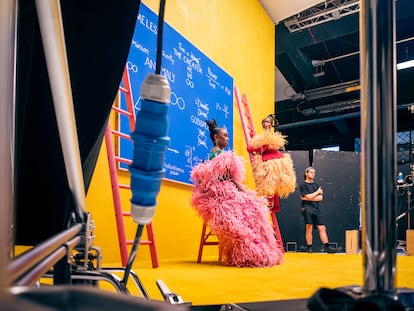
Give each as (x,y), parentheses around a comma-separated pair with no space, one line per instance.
(240,219)
(274,176)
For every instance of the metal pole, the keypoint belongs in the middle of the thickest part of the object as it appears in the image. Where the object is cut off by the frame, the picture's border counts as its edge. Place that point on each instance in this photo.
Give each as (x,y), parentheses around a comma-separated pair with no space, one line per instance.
(8,19)
(51,29)
(378,131)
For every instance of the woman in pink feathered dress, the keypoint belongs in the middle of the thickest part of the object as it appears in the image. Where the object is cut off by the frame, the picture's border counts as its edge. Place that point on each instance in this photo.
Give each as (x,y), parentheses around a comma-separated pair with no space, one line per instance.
(235,214)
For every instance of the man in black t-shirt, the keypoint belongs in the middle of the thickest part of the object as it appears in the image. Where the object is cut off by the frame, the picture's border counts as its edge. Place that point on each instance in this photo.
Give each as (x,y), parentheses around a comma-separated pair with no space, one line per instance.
(311,194)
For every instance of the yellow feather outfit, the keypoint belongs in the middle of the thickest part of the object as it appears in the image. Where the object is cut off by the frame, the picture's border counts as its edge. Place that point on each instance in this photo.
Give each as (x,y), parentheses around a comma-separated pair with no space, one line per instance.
(275,175)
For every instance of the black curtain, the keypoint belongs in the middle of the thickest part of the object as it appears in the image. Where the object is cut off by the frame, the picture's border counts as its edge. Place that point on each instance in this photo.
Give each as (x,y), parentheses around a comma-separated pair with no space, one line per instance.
(98,36)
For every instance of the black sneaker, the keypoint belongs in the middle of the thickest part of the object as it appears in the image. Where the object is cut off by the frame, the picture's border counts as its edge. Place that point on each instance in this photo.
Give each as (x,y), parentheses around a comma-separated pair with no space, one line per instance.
(333,250)
(310,250)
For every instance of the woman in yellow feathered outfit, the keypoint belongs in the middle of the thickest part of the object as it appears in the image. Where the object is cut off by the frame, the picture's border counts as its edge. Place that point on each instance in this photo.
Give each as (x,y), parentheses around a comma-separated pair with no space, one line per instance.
(273,169)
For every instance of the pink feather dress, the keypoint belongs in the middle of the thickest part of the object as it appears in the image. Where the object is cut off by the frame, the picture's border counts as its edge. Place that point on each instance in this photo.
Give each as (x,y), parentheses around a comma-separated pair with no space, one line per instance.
(239,219)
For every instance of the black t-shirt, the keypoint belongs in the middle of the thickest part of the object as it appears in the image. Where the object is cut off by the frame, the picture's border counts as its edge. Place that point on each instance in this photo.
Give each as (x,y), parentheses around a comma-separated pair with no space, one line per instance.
(306,188)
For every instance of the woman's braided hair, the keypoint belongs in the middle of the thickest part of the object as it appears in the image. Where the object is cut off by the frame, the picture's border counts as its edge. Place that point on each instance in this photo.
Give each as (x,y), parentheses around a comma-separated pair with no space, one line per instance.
(213,128)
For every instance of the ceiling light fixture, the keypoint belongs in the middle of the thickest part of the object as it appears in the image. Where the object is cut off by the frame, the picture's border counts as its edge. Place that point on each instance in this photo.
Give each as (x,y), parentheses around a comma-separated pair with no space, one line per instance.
(405,65)
(318,64)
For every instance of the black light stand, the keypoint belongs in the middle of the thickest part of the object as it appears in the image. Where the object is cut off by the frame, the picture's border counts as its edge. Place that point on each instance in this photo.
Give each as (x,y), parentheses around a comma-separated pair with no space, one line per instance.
(406,185)
(378,165)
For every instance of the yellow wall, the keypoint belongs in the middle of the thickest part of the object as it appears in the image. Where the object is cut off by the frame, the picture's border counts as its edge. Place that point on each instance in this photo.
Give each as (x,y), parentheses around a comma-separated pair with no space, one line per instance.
(238,36)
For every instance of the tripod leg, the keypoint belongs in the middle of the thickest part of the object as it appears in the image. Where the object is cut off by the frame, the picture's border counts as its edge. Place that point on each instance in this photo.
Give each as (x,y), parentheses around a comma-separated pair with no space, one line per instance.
(132,255)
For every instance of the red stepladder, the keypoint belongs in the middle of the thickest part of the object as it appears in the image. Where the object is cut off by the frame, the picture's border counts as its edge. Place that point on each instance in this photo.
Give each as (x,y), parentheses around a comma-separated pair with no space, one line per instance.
(113,161)
(249,132)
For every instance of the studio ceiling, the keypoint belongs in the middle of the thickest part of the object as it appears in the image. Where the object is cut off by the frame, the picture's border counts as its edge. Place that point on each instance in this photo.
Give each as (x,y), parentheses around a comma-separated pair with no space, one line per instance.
(317,70)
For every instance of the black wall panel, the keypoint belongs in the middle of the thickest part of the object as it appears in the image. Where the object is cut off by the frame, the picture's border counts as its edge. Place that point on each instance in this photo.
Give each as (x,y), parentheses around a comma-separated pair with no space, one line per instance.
(339,175)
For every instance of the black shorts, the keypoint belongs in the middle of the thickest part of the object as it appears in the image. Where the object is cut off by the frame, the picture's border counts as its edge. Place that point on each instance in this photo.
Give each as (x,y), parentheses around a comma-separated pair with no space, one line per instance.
(312,216)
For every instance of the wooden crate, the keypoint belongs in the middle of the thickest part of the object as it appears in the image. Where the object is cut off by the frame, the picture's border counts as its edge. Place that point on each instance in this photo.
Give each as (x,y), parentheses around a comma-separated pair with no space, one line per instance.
(410,243)
(351,241)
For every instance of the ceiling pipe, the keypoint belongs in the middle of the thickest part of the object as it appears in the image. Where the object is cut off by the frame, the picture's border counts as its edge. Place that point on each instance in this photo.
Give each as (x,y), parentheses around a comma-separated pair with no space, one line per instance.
(341,88)
(334,118)
(331,90)
(318,120)
(324,61)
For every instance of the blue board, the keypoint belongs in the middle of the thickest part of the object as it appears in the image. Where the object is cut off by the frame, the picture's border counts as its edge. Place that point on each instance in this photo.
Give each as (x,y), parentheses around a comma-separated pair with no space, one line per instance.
(200,90)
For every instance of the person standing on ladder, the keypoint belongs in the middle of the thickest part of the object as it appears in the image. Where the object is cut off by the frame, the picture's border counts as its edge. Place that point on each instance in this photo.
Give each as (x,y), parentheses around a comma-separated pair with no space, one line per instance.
(273,169)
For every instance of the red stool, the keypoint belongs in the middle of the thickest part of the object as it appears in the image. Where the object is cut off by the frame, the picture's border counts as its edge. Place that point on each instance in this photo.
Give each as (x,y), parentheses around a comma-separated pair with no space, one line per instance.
(205,236)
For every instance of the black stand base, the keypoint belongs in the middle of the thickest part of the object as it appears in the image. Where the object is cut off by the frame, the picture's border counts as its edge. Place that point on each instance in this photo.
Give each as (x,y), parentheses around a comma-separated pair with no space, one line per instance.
(81,298)
(348,298)
(352,298)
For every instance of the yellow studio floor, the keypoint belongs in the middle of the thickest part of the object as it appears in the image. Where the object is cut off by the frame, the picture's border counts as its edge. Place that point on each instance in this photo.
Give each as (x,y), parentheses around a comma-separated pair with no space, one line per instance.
(300,276)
